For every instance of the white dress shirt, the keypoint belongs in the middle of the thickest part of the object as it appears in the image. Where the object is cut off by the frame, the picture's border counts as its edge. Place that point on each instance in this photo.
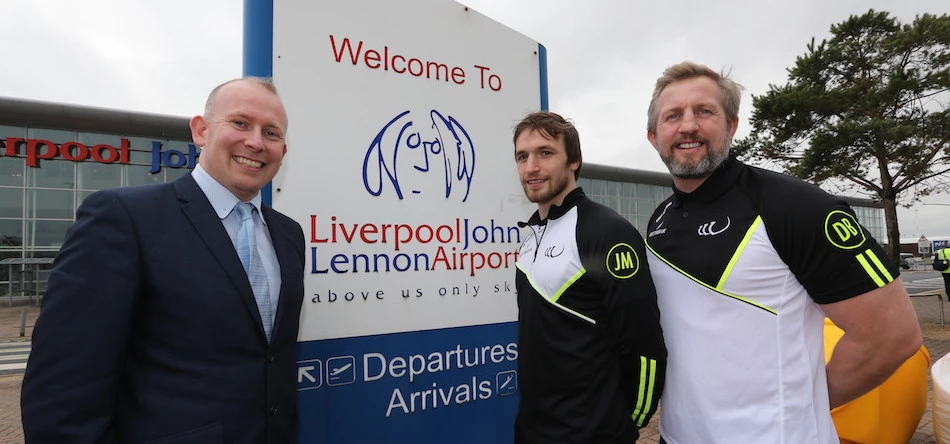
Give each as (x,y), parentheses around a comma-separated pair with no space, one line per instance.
(223,202)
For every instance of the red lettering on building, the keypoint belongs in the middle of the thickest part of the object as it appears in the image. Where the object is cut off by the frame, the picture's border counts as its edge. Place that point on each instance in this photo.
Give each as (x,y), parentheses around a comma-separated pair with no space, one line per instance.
(35,150)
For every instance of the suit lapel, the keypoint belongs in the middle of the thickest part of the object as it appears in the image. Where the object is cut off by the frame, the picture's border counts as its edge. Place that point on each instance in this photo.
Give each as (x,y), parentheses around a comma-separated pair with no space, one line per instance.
(284,251)
(198,210)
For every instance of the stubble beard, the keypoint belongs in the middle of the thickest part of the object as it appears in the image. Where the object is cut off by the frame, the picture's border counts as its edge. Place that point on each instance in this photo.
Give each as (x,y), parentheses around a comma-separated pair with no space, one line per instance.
(557,187)
(702,169)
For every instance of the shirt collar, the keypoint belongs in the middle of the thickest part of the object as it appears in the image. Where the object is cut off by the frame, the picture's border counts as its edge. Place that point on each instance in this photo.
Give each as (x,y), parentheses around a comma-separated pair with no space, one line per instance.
(556,211)
(222,200)
(715,185)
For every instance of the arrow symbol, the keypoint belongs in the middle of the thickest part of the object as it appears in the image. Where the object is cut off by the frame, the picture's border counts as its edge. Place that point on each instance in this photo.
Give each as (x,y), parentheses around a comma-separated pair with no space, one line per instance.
(304,372)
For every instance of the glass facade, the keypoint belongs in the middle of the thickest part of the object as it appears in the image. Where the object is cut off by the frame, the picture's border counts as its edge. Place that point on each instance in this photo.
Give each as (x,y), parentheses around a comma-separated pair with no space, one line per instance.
(873,219)
(38,203)
(634,201)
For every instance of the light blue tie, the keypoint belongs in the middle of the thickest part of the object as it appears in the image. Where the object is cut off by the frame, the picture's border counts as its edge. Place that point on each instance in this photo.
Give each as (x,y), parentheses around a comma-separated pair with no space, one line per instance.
(251,259)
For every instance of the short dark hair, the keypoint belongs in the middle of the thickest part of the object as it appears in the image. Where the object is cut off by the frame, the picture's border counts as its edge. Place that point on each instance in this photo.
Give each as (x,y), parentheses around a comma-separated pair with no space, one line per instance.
(552,125)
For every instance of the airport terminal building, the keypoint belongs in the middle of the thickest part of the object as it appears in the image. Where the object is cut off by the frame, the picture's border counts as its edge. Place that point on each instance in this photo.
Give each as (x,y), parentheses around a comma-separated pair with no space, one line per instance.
(54,155)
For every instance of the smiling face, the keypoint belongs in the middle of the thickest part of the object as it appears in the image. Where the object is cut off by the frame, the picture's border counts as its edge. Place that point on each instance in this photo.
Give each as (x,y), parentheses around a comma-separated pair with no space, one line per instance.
(242,137)
(545,173)
(692,132)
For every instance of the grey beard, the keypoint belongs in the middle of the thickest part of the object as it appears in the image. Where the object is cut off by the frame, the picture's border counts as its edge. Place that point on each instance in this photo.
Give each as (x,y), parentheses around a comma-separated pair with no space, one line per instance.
(702,169)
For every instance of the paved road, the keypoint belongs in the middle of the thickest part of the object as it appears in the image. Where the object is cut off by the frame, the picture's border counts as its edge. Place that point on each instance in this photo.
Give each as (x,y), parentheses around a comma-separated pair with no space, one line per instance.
(13,357)
(920,281)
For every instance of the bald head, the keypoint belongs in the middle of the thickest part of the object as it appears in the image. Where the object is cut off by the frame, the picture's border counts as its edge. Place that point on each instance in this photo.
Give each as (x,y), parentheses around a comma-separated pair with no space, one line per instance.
(264,82)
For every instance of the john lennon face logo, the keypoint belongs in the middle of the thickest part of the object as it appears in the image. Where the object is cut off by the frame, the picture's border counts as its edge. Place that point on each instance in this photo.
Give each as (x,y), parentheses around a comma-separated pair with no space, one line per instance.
(437,157)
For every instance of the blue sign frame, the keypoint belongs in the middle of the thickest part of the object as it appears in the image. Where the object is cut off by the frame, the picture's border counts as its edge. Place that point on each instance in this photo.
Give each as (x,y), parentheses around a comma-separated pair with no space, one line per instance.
(400,375)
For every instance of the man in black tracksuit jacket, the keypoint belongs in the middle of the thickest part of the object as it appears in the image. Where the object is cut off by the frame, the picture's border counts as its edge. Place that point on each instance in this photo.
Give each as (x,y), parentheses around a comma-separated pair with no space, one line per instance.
(591,354)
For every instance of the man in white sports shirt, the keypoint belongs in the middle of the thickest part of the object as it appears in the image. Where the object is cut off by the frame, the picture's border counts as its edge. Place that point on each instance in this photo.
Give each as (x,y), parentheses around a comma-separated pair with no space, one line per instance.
(747,263)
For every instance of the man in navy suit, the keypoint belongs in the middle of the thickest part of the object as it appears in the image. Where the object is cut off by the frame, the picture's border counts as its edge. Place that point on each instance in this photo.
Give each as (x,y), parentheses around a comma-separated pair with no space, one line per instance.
(150,331)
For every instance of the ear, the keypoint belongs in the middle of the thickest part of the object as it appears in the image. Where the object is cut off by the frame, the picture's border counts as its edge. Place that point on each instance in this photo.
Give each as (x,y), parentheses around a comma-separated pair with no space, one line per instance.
(733,126)
(651,136)
(574,165)
(199,128)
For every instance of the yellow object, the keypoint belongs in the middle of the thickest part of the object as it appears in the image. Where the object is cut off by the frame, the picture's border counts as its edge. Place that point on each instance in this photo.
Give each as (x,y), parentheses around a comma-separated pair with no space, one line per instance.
(890,412)
(940,401)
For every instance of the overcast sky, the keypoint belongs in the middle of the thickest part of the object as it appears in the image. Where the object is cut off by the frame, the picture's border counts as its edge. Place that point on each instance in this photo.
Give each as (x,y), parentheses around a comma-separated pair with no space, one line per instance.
(603,57)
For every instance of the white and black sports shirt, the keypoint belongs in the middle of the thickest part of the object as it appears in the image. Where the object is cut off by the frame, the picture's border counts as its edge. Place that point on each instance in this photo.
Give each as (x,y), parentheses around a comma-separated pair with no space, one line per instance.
(741,266)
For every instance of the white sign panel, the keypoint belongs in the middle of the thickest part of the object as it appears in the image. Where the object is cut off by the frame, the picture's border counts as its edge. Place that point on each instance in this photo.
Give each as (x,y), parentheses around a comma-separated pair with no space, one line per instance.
(401,171)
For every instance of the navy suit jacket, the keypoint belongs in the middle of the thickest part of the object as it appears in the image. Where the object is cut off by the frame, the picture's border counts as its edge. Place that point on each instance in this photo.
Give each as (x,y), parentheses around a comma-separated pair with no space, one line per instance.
(149,332)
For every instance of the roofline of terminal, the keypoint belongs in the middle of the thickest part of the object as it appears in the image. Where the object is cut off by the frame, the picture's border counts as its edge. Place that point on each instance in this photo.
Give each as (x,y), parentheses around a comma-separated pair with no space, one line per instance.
(49,115)
(619,174)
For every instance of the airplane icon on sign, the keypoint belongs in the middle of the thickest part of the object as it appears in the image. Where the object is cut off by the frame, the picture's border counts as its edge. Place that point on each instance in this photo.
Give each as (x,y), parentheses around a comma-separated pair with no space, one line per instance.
(506,382)
(337,371)
(341,370)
